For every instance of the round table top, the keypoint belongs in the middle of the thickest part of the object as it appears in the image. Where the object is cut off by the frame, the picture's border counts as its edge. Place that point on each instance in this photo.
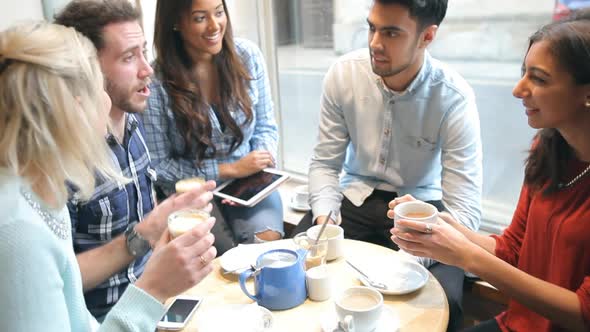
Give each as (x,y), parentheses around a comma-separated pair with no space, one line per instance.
(423,310)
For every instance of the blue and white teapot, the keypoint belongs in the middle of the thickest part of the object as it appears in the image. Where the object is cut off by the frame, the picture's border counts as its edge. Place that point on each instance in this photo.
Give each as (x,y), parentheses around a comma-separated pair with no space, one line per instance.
(279,279)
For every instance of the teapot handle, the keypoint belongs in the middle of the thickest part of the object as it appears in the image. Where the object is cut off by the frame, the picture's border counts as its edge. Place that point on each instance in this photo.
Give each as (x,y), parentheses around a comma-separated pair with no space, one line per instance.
(244,276)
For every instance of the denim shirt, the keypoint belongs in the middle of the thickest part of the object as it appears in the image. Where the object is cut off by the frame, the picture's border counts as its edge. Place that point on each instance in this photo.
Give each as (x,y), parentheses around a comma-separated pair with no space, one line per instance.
(111,209)
(166,143)
(424,142)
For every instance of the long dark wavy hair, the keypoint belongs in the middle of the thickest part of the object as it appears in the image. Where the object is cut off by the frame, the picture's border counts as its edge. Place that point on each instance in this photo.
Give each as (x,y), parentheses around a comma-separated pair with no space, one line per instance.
(187,102)
(569,43)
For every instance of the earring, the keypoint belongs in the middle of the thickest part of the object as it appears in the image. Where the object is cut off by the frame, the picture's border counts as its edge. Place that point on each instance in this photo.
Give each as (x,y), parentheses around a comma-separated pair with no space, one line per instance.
(587,104)
(175,28)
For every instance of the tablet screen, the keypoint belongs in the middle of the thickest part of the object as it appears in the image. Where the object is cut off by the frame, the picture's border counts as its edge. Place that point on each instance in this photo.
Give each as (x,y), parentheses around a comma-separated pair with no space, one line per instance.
(248,187)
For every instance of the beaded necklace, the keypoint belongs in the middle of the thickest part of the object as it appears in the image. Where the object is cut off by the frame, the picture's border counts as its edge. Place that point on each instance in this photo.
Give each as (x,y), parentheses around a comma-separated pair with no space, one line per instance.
(58,227)
(574,180)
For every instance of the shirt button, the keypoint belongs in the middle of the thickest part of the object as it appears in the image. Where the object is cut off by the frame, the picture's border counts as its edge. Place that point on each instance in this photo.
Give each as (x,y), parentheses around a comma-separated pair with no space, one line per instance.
(382,161)
(391,101)
(386,132)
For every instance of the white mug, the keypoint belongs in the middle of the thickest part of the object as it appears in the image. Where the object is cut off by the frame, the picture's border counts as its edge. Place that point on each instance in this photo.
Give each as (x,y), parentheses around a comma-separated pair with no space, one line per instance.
(300,196)
(335,236)
(416,211)
(318,283)
(359,309)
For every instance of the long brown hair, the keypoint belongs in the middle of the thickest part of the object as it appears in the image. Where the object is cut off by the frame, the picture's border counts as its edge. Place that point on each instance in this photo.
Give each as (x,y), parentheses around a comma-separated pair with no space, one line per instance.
(175,68)
(569,43)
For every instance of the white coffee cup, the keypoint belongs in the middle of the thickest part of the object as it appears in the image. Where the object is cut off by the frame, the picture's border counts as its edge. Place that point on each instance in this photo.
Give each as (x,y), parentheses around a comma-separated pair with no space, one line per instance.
(184,220)
(416,211)
(359,309)
(300,196)
(335,236)
(318,283)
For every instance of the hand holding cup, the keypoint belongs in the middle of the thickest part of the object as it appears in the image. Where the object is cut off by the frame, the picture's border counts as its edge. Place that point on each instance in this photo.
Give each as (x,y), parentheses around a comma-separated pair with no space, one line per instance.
(192,195)
(178,264)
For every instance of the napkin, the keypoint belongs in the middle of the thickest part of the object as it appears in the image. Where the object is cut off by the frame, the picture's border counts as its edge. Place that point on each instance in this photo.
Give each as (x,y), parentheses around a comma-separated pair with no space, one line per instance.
(242,317)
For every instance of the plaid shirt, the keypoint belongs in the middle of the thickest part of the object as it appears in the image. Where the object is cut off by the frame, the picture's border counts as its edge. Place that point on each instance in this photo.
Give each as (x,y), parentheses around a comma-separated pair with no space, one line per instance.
(111,209)
(165,142)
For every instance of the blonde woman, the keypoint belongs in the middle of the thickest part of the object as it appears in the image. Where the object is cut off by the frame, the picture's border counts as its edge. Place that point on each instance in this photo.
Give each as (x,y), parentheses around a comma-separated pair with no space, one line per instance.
(53,118)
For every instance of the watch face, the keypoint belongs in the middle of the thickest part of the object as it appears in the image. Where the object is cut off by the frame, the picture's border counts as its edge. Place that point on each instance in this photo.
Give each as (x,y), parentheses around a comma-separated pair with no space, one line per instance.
(137,245)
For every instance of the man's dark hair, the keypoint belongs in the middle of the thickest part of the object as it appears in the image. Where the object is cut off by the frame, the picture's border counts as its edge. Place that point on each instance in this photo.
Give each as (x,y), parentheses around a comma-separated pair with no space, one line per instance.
(426,12)
(577,15)
(89,17)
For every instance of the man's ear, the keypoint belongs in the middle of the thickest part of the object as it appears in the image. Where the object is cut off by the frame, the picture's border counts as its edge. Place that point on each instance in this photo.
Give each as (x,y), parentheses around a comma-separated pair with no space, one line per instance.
(428,35)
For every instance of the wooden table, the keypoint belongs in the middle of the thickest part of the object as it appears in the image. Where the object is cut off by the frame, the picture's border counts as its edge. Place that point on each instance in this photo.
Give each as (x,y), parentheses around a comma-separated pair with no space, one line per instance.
(423,310)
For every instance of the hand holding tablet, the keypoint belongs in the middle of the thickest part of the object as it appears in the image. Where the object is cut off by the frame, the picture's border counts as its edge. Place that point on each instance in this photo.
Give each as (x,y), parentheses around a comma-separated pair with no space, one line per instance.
(250,190)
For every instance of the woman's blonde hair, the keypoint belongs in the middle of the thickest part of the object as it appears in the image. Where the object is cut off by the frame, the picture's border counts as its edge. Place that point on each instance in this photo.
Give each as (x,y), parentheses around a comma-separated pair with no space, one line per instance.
(52,109)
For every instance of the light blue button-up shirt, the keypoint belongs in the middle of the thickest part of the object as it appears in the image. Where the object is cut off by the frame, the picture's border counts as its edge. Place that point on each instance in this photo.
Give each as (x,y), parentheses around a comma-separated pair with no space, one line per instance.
(424,142)
(166,144)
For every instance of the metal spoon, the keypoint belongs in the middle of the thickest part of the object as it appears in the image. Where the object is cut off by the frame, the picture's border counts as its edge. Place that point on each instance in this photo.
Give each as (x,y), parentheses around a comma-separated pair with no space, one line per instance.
(371,282)
(244,268)
(317,240)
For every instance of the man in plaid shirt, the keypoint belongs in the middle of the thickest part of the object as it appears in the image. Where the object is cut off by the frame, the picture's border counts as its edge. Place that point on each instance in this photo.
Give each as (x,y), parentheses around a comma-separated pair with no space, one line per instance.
(112,232)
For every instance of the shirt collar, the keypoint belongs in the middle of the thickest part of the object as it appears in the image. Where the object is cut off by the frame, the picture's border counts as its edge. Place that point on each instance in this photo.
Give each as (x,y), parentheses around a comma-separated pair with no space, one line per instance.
(131,125)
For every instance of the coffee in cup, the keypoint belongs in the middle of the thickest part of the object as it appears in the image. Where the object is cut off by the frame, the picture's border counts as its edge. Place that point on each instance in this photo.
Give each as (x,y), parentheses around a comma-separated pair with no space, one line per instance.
(334,234)
(315,252)
(359,309)
(186,185)
(182,221)
(415,211)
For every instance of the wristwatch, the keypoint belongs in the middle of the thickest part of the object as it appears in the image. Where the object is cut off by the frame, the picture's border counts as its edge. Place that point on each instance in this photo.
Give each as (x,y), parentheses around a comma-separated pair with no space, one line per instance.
(137,246)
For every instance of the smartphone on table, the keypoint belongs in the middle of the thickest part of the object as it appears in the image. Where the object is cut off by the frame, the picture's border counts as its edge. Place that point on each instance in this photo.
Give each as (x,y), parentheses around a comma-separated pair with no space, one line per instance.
(179,312)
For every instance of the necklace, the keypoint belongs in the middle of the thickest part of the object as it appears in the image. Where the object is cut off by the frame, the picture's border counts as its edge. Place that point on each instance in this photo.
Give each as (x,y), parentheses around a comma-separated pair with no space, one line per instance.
(574,180)
(58,227)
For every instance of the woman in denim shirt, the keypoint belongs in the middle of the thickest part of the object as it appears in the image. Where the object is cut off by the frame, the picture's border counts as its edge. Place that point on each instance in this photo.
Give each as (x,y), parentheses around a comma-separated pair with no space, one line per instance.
(210,112)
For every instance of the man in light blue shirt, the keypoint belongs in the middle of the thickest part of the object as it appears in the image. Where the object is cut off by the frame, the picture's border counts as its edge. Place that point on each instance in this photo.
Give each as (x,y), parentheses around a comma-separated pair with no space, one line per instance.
(395,121)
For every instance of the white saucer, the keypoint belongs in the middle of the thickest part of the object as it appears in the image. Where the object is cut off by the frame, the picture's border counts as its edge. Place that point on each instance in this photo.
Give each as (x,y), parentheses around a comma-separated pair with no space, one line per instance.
(401,276)
(244,317)
(244,255)
(389,322)
(300,208)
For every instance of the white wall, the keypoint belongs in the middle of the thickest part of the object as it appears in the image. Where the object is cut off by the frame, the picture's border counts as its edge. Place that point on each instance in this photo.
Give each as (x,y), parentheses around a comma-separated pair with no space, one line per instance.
(20,10)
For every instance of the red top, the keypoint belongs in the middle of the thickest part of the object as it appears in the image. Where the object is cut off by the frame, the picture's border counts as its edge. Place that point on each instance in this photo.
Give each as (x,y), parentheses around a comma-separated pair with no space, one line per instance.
(549,238)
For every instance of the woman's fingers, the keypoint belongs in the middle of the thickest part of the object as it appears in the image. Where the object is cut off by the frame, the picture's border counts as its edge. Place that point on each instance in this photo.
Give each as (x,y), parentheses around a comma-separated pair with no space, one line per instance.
(398,200)
(417,226)
(401,199)
(414,248)
(198,232)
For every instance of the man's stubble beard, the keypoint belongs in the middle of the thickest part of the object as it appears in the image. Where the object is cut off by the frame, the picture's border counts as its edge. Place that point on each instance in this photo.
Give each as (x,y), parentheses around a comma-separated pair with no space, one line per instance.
(122,100)
(395,71)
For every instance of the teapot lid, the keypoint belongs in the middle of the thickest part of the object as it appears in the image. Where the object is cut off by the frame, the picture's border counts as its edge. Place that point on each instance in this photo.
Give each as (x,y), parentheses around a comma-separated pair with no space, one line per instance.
(277,258)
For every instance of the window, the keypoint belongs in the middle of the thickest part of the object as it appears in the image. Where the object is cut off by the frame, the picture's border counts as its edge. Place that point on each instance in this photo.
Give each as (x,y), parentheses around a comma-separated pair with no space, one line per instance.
(484,40)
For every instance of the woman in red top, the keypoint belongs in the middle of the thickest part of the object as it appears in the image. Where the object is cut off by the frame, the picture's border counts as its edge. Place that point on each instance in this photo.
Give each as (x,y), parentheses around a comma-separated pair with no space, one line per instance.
(542,260)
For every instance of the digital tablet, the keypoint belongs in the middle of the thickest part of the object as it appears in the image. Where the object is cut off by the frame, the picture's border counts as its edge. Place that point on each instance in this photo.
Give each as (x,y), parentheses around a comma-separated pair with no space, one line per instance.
(252,189)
